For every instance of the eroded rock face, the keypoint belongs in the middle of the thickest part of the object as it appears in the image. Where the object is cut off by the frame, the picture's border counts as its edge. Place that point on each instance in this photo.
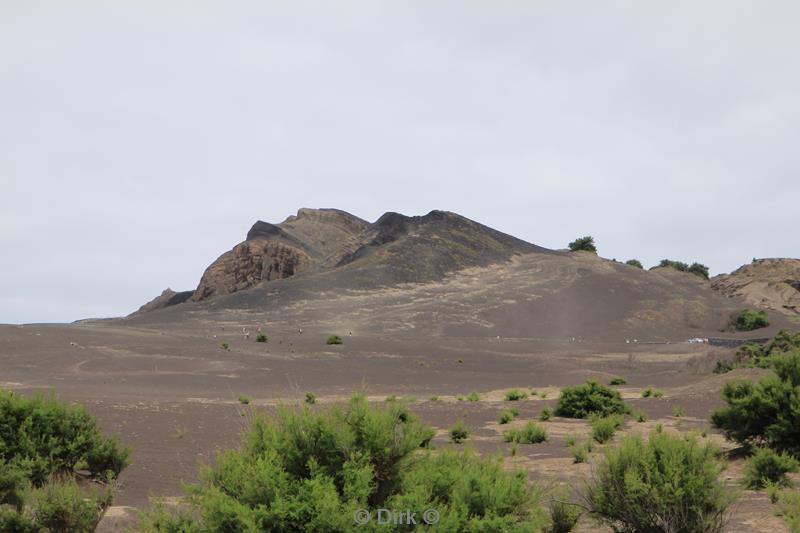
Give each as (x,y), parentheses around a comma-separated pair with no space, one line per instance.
(166,299)
(767,283)
(249,264)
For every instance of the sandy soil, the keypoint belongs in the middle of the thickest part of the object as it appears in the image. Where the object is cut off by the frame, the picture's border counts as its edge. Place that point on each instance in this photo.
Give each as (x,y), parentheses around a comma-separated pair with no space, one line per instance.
(171,392)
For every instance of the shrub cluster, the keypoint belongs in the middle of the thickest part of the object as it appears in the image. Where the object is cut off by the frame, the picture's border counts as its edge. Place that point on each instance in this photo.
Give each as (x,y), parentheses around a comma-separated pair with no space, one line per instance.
(767,467)
(603,428)
(42,442)
(616,380)
(530,433)
(752,355)
(749,319)
(765,413)
(697,269)
(261,337)
(634,263)
(514,395)
(667,483)
(508,415)
(459,432)
(590,398)
(585,244)
(305,470)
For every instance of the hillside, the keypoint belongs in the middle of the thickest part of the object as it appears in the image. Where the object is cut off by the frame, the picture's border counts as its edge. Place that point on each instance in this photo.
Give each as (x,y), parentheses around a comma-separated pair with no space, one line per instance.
(772,284)
(443,274)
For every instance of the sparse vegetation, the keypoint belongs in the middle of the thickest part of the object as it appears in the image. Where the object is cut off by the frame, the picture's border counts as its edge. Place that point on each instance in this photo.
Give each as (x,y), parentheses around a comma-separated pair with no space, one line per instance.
(590,398)
(789,508)
(667,483)
(617,381)
(545,414)
(433,398)
(459,432)
(585,244)
(261,337)
(244,399)
(530,433)
(697,269)
(311,398)
(225,346)
(473,397)
(764,413)
(570,439)
(634,263)
(334,339)
(306,470)
(508,415)
(640,416)
(603,428)
(652,392)
(677,411)
(514,395)
(753,355)
(767,467)
(580,452)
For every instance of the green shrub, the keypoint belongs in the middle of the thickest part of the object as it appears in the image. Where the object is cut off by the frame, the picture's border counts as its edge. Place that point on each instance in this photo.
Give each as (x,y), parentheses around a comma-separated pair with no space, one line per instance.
(530,433)
(459,432)
(617,381)
(311,398)
(652,392)
(514,395)
(580,452)
(261,337)
(433,398)
(564,515)
(244,399)
(634,263)
(698,269)
(545,414)
(589,398)
(334,339)
(225,346)
(765,413)
(570,439)
(677,411)
(640,416)
(508,415)
(761,356)
(749,319)
(667,483)
(603,428)
(583,243)
(63,507)
(473,397)
(41,436)
(768,466)
(677,265)
(310,470)
(789,508)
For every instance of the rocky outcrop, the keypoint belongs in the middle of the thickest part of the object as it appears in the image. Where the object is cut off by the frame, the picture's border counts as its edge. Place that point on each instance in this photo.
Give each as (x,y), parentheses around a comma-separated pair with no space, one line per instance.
(767,283)
(249,264)
(166,299)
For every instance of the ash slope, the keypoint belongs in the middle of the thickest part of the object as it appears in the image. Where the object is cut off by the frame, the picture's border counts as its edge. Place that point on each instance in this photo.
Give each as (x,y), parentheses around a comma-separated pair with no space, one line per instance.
(442,275)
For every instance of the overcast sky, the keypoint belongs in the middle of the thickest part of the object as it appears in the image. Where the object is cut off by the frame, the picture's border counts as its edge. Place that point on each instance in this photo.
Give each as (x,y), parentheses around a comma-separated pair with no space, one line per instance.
(140,140)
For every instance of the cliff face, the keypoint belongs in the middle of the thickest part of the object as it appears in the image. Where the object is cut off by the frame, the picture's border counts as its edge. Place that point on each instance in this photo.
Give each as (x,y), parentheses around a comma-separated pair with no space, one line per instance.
(767,283)
(275,251)
(166,299)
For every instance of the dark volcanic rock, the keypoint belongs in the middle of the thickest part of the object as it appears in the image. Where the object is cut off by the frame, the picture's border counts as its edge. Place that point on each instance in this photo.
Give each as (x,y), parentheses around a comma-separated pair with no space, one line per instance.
(166,299)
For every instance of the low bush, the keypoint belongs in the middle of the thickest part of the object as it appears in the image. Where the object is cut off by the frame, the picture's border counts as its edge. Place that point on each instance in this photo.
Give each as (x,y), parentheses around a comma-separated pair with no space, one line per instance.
(752,355)
(564,515)
(664,484)
(748,320)
(473,397)
(514,395)
(311,398)
(225,346)
(585,244)
(677,411)
(310,470)
(334,339)
(459,432)
(570,439)
(764,413)
(244,399)
(634,263)
(580,452)
(261,337)
(616,380)
(789,508)
(652,392)
(640,416)
(604,428)
(767,466)
(530,433)
(508,415)
(697,269)
(545,414)
(590,398)
(42,442)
